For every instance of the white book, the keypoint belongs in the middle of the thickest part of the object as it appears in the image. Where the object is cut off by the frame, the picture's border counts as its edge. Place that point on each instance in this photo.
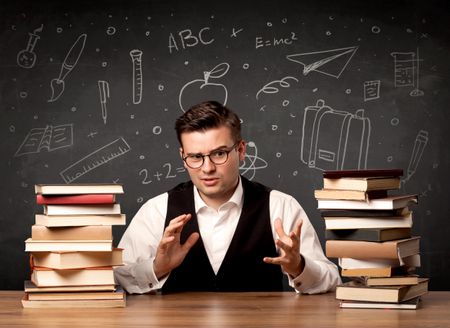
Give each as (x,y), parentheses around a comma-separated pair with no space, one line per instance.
(407,305)
(68,245)
(95,209)
(77,189)
(351,263)
(388,203)
(336,222)
(79,220)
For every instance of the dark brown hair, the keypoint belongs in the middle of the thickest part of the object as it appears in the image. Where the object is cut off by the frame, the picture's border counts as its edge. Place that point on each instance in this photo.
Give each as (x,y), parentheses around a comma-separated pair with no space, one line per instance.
(208,115)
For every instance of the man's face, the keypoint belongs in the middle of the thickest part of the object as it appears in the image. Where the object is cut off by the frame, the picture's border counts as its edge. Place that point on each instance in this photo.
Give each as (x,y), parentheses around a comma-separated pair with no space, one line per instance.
(216,183)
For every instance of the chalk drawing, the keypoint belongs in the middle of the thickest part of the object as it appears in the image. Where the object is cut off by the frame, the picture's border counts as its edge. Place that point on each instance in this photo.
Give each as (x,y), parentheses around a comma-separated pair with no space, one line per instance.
(255,162)
(103,89)
(420,143)
(329,62)
(26,58)
(273,42)
(111,30)
(334,139)
(200,89)
(57,85)
(272,87)
(406,71)
(136,58)
(169,173)
(372,90)
(49,138)
(188,39)
(235,32)
(95,159)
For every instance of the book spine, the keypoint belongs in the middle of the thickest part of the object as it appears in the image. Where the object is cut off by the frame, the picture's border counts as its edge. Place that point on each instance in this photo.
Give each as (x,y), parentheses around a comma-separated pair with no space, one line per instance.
(39,232)
(363,173)
(360,249)
(81,209)
(353,234)
(76,199)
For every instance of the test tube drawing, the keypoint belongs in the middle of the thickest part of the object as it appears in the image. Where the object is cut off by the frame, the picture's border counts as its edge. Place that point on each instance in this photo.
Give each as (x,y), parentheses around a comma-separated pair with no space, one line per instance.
(26,58)
(416,92)
(136,57)
(103,88)
(419,145)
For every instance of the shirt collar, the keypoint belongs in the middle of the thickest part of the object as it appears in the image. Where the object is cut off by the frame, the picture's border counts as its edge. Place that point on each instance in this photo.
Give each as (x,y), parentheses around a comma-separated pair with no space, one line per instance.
(237,198)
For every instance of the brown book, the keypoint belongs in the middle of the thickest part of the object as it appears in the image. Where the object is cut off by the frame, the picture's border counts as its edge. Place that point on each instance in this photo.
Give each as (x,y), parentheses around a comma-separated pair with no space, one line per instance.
(86,295)
(29,287)
(79,220)
(362,173)
(349,194)
(366,249)
(49,304)
(72,277)
(77,260)
(97,232)
(359,292)
(369,234)
(362,184)
(393,281)
(376,272)
(76,189)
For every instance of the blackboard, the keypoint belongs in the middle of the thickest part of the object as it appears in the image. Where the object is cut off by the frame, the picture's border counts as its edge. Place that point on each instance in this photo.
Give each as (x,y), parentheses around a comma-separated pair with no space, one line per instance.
(123,71)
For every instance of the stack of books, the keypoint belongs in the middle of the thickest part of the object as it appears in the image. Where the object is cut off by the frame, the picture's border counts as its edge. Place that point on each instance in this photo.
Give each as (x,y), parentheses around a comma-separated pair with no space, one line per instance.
(369,232)
(71,247)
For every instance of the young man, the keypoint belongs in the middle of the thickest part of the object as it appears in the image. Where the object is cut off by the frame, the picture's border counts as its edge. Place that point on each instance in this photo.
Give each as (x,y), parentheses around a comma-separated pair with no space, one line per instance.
(220,231)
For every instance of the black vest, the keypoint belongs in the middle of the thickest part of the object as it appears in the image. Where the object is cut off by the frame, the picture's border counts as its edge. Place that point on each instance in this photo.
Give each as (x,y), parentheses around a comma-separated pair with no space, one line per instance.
(243,268)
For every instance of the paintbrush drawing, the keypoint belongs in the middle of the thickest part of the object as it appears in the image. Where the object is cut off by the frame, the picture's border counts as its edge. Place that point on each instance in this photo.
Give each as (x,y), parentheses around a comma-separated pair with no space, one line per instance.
(73,55)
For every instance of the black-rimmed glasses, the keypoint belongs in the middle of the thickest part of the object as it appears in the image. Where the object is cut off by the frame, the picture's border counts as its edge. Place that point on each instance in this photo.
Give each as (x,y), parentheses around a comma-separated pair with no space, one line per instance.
(218,157)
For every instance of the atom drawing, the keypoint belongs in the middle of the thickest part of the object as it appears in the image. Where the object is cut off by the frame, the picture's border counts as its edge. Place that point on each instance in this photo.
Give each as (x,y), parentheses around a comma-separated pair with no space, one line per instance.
(253,160)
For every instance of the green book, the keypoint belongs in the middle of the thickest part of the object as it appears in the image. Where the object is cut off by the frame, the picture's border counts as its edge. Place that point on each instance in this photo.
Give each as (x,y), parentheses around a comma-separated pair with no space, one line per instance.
(368,234)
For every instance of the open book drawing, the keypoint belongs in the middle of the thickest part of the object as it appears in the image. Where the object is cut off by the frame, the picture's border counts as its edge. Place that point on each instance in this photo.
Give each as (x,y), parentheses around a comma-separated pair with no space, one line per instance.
(49,138)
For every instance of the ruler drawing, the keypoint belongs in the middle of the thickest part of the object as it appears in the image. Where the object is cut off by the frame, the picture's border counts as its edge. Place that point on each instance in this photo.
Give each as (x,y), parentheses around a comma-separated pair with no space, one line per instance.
(95,159)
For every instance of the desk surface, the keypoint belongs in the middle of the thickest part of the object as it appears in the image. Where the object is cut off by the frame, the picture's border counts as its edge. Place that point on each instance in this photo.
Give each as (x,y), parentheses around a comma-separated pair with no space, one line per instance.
(282,309)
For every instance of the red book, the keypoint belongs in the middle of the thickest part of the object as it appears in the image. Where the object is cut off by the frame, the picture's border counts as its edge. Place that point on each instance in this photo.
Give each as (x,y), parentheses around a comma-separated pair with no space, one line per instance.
(76,199)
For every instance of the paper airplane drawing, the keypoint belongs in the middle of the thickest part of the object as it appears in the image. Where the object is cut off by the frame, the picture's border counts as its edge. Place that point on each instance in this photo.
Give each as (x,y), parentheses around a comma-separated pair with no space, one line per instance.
(328,62)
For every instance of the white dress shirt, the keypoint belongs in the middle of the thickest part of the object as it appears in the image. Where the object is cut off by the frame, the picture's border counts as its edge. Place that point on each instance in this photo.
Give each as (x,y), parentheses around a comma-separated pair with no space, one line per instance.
(141,239)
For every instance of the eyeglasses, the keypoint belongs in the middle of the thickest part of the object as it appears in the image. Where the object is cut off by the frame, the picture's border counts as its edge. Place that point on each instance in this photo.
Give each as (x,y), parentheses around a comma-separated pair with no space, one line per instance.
(218,157)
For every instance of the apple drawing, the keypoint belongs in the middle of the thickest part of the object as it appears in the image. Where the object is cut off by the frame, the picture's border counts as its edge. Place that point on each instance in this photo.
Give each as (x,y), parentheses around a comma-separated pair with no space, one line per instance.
(199,90)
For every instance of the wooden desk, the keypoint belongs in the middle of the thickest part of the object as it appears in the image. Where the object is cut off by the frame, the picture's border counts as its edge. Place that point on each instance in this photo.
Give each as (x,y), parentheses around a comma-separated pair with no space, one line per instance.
(285,309)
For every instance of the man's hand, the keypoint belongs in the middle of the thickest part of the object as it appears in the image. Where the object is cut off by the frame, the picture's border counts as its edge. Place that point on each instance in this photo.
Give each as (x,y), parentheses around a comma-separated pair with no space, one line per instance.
(289,259)
(170,252)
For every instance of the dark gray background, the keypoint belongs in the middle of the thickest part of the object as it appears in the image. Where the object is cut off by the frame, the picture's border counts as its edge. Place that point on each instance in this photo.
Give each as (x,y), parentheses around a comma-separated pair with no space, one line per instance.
(253,40)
